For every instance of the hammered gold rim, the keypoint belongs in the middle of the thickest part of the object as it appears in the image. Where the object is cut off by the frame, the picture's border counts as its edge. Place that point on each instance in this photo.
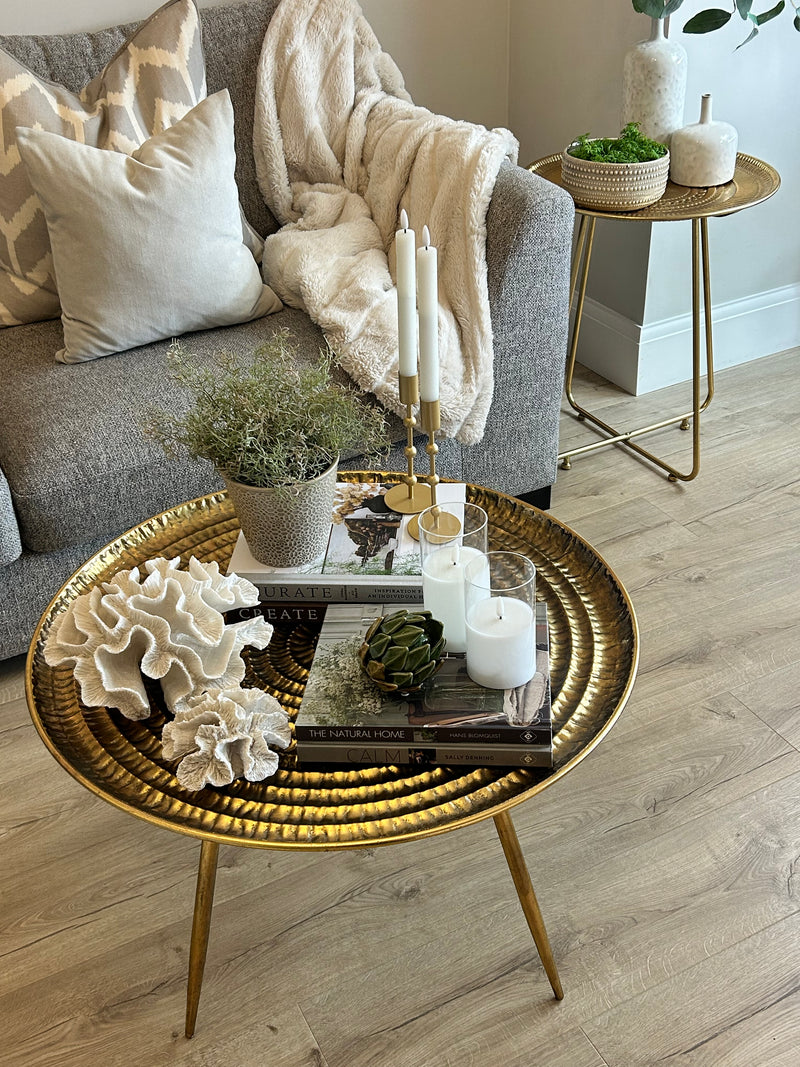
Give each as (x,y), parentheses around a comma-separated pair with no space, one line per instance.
(595,649)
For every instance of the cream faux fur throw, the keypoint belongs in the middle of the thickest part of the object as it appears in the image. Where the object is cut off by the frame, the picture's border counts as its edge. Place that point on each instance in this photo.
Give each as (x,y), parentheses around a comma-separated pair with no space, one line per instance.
(340,148)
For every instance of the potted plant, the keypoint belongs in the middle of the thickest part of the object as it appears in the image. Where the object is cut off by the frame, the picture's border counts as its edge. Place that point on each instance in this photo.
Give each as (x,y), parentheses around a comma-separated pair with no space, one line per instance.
(622,173)
(273,428)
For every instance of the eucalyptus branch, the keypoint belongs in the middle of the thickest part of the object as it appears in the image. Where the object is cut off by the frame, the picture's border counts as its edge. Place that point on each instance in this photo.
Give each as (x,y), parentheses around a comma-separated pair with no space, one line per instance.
(714,18)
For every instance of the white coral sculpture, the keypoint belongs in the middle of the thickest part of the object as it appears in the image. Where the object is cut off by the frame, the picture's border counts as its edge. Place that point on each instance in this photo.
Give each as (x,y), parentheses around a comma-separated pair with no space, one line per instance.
(225,734)
(167,625)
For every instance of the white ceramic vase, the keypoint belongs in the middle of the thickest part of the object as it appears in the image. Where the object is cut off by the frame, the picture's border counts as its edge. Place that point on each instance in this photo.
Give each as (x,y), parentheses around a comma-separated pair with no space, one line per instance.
(654,85)
(704,153)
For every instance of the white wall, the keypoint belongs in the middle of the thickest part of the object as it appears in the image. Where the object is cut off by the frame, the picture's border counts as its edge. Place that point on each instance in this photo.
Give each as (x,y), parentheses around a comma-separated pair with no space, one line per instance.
(551,70)
(453,53)
(566,64)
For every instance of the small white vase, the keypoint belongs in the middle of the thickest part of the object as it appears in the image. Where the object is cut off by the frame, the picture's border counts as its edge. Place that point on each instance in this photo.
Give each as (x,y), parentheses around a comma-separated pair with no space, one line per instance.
(704,153)
(654,85)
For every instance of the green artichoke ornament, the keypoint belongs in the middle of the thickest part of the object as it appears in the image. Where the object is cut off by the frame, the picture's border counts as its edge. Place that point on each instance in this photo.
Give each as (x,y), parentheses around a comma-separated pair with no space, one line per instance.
(402,650)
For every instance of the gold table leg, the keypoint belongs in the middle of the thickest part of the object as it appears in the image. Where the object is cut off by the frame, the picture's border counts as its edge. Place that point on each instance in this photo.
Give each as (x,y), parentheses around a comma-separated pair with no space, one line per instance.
(201,925)
(701,273)
(527,897)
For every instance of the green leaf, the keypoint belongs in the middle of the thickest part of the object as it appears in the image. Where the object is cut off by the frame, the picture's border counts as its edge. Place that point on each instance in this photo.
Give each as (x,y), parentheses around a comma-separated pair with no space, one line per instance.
(427,671)
(418,658)
(408,636)
(671,7)
(743,7)
(402,679)
(379,646)
(753,33)
(653,8)
(773,12)
(396,659)
(797,23)
(706,21)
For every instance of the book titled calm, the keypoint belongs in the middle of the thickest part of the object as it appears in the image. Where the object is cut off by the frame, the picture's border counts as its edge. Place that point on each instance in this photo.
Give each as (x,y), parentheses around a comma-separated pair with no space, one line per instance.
(370,556)
(421,755)
(342,708)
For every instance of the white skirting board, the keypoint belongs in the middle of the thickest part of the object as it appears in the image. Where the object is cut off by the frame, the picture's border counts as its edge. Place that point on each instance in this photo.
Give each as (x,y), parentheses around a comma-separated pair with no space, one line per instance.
(641,359)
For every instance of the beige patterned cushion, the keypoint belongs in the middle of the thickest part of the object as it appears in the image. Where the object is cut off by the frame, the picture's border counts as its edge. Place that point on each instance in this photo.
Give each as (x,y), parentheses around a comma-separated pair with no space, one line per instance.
(153,80)
(149,245)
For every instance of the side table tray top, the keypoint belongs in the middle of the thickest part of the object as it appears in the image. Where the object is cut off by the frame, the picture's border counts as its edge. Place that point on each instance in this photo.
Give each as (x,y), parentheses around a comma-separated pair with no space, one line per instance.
(594,657)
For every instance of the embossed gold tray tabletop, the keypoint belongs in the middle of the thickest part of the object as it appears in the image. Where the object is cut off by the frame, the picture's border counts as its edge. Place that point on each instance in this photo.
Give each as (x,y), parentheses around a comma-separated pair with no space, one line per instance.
(594,652)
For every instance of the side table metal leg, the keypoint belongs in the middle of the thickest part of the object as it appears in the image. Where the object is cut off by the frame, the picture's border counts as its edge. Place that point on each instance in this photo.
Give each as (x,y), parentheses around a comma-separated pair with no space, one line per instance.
(201,925)
(578,281)
(701,287)
(527,897)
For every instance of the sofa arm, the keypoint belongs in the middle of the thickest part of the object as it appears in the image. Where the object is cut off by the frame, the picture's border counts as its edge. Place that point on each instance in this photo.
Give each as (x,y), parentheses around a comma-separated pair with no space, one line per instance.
(10,543)
(528,249)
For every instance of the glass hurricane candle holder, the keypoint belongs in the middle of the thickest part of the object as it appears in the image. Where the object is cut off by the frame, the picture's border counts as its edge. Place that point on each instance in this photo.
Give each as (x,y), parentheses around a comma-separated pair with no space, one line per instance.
(500,620)
(451,535)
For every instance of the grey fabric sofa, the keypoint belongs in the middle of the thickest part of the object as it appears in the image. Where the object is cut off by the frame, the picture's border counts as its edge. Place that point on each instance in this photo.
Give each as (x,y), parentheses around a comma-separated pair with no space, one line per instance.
(75,470)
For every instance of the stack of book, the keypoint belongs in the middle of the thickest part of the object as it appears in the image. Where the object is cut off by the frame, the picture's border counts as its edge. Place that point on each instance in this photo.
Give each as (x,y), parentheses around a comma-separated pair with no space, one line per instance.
(370,568)
(345,718)
(370,557)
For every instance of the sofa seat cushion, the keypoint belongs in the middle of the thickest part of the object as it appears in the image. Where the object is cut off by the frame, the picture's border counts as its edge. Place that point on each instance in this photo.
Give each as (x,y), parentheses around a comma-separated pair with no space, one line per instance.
(77,463)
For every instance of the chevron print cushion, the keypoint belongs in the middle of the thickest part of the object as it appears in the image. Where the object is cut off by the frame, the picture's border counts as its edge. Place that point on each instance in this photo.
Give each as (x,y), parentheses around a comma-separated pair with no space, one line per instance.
(155,78)
(147,246)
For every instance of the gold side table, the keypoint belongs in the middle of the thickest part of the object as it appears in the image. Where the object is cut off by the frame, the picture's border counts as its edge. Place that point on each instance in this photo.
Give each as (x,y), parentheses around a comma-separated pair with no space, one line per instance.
(753,182)
(594,654)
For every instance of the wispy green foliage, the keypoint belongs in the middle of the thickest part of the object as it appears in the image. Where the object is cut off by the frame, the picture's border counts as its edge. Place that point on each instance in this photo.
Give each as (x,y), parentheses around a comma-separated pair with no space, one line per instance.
(268,421)
(630,147)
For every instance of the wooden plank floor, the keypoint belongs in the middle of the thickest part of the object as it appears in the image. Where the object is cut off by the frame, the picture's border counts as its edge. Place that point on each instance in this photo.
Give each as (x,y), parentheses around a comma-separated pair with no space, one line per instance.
(667,865)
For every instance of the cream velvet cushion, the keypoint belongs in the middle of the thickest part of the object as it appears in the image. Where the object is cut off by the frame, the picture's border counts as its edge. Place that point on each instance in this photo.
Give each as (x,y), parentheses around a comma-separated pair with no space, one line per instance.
(146,246)
(151,82)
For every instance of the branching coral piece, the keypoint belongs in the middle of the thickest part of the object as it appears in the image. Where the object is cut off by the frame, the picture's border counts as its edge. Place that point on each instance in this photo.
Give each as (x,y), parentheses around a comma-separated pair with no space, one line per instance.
(167,625)
(225,734)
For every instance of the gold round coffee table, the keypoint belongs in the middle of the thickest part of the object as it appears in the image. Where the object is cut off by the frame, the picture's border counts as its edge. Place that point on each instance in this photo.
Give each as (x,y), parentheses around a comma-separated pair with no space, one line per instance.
(594,656)
(753,182)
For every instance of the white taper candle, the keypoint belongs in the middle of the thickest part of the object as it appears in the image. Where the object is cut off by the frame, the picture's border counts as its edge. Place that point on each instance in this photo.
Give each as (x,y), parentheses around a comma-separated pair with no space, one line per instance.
(405,248)
(428,299)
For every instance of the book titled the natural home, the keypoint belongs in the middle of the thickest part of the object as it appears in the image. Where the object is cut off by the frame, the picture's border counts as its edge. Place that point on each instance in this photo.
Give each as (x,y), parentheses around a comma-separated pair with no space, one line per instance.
(344,717)
(370,556)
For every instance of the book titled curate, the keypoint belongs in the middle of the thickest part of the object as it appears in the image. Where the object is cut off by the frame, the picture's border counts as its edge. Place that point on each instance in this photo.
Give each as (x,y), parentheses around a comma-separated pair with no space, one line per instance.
(370,556)
(341,708)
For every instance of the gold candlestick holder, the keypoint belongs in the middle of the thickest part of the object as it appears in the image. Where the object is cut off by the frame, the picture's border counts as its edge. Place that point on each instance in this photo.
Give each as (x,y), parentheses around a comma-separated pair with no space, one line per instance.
(447,526)
(430,416)
(412,496)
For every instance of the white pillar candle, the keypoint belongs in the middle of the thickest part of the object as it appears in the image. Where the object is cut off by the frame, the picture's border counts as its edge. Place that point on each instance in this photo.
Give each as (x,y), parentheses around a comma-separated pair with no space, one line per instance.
(443,590)
(405,249)
(501,643)
(428,299)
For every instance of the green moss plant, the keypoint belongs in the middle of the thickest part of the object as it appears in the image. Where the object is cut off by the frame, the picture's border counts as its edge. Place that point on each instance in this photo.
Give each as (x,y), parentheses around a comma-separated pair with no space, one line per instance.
(630,147)
(267,421)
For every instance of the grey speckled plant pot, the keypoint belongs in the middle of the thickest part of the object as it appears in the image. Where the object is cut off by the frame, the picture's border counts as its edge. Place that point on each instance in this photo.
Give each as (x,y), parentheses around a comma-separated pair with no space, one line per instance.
(287,528)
